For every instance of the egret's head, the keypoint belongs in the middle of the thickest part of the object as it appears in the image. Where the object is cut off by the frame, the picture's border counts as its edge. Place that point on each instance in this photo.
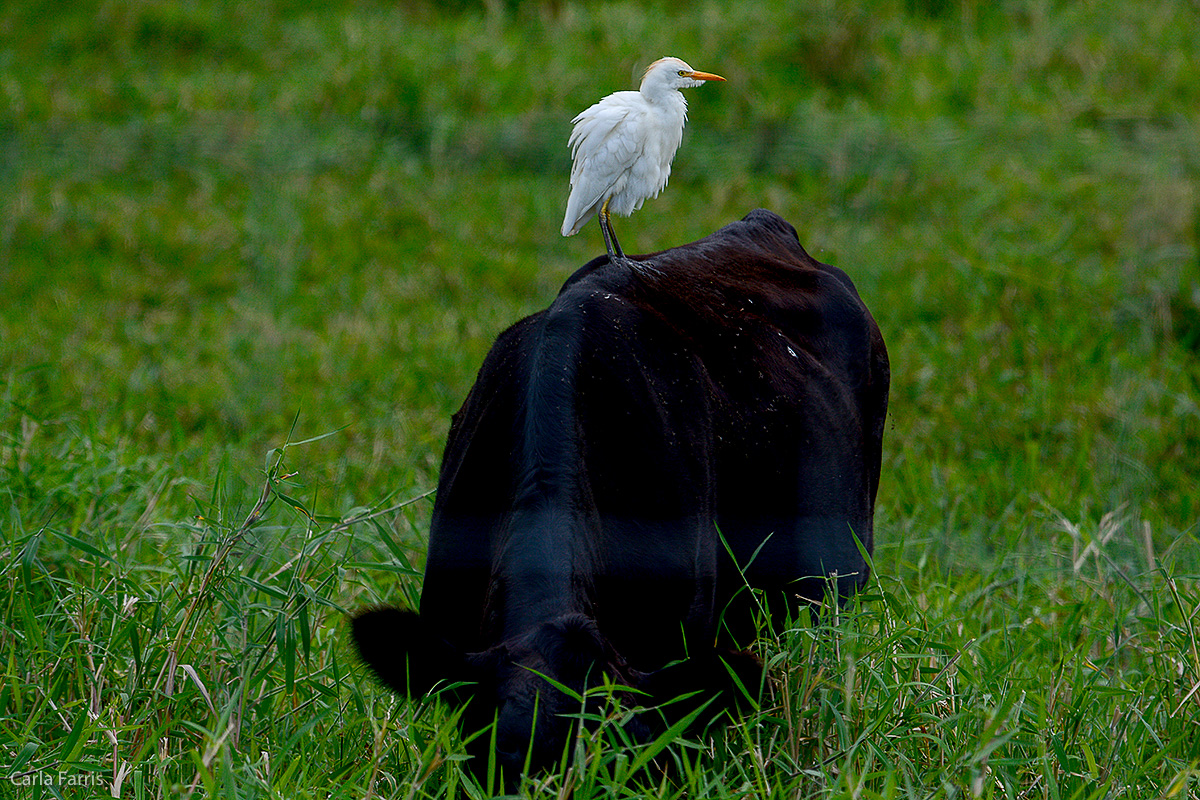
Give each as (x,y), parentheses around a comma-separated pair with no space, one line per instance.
(673,73)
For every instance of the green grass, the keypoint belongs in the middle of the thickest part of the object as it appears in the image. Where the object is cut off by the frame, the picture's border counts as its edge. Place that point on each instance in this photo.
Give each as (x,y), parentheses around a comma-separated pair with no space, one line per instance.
(228,227)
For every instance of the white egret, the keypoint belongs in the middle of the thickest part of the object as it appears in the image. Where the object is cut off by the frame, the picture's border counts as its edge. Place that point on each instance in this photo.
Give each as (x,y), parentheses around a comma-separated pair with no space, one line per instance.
(622,147)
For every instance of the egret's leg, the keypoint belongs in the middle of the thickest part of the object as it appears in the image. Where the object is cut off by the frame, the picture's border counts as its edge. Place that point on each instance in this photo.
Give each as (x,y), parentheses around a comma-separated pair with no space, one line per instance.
(610,238)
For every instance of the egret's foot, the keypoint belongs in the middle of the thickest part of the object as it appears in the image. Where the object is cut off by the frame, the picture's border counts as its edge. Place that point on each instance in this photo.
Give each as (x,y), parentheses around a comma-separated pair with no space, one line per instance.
(615,253)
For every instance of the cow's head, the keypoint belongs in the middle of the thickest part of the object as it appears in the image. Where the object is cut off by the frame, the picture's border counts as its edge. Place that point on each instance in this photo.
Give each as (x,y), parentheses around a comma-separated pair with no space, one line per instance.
(513,683)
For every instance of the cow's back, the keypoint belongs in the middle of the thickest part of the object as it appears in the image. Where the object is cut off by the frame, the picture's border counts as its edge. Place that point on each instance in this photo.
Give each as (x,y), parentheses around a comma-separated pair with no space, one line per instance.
(713,420)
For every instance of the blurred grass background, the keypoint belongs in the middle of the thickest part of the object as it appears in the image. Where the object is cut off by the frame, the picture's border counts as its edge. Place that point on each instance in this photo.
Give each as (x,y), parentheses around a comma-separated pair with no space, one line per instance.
(216,216)
(219,218)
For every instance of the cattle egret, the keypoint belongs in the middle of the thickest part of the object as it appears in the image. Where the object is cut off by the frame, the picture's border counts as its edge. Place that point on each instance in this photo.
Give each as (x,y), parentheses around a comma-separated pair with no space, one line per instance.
(622,147)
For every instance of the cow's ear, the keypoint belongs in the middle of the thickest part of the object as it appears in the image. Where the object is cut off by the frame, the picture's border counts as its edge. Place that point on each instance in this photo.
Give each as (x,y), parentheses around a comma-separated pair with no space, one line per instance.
(402,652)
(484,666)
(574,645)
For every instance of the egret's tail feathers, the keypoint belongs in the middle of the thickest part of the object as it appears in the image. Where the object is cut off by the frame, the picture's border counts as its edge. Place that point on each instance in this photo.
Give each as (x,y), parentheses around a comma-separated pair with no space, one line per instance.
(576,218)
(571,225)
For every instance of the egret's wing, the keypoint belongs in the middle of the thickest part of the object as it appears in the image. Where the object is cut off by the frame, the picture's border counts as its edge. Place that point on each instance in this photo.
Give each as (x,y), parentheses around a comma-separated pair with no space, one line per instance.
(604,137)
(604,144)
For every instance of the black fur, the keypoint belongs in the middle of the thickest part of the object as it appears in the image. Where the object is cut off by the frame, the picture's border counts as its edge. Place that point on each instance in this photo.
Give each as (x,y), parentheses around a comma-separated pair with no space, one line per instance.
(628,461)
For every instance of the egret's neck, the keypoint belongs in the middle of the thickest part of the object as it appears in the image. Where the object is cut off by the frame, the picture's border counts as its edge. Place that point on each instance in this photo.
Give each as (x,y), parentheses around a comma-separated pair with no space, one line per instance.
(670,100)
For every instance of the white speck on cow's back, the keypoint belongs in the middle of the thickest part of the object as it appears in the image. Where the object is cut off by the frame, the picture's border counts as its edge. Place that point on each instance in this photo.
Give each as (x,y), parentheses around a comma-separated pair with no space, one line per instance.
(792,352)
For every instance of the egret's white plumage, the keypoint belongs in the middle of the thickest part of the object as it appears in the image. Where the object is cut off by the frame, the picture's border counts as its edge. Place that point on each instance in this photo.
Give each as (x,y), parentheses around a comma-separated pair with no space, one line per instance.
(622,146)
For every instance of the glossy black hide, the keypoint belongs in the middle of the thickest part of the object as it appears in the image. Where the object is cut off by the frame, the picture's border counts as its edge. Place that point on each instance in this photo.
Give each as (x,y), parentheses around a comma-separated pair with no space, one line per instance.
(733,387)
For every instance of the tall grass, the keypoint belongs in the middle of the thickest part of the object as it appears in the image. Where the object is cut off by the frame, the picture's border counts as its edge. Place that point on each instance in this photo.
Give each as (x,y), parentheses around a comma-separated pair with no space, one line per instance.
(251,256)
(219,668)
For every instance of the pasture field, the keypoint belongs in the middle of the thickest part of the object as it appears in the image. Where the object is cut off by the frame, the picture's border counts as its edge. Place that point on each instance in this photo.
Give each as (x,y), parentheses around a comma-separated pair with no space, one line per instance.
(252,254)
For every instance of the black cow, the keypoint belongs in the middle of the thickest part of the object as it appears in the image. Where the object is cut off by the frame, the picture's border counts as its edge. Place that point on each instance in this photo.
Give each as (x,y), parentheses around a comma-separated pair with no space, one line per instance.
(629,461)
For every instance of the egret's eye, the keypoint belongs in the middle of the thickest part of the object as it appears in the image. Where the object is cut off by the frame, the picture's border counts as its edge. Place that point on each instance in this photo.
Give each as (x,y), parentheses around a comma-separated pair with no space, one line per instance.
(682,72)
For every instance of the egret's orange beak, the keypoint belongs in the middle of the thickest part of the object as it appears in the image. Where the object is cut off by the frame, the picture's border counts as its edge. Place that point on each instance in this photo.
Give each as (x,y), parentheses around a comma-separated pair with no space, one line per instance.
(705,76)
